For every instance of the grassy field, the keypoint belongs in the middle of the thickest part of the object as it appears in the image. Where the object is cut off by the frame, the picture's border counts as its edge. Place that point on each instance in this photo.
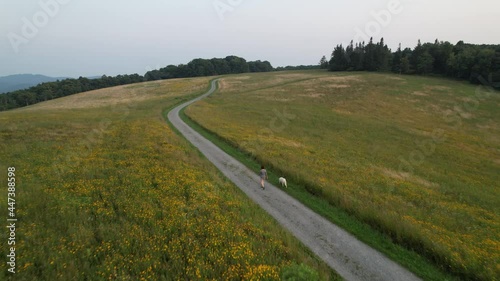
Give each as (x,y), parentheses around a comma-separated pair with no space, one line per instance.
(106,190)
(416,158)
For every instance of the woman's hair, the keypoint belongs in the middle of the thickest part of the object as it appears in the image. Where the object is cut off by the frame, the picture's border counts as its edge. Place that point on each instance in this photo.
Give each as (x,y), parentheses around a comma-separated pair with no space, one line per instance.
(262,167)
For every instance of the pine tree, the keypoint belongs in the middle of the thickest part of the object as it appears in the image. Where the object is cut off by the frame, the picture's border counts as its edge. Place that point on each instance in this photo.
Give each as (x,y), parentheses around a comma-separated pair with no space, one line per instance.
(396,60)
(323,63)
(349,52)
(339,61)
(357,58)
(417,52)
(369,60)
(382,56)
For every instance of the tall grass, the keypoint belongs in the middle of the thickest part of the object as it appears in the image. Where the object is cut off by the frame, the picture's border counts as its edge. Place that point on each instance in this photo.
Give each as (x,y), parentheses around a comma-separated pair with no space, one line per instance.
(107,191)
(415,157)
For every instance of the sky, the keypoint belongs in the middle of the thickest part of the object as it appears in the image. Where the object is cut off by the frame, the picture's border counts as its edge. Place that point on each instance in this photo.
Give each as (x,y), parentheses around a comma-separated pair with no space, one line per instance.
(72,38)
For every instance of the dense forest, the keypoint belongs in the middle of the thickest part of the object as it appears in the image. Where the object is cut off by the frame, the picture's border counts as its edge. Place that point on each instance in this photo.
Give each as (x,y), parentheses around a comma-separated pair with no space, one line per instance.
(195,68)
(205,67)
(479,64)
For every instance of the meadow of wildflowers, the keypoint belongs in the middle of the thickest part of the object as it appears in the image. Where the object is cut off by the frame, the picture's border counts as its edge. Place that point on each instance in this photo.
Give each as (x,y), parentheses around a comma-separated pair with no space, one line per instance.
(107,191)
(417,158)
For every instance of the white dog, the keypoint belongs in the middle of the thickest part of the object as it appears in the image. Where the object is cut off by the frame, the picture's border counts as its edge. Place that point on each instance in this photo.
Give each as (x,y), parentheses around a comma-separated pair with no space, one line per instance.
(283,182)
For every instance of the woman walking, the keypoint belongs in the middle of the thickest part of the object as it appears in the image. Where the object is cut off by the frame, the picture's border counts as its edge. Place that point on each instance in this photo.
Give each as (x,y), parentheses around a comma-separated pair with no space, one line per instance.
(263,176)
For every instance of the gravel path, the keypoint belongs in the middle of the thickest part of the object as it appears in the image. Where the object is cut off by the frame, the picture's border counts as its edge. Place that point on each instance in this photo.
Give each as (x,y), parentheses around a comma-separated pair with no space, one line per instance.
(352,259)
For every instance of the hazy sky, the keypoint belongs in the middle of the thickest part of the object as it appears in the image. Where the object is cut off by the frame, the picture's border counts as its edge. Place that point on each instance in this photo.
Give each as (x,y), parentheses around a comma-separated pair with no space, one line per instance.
(94,37)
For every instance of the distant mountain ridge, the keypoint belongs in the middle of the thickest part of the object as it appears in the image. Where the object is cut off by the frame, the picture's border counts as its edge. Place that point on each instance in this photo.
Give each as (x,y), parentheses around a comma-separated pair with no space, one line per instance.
(23,81)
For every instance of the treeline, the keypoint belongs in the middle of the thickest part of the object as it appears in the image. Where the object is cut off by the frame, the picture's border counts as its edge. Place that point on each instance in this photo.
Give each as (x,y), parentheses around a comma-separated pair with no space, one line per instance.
(475,63)
(52,90)
(195,68)
(209,67)
(298,67)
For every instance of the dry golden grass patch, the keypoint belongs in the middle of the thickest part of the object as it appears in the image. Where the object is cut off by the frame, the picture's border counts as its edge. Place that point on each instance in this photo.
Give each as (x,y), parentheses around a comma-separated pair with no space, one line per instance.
(320,86)
(276,99)
(460,111)
(437,88)
(330,81)
(258,80)
(120,95)
(340,86)
(406,177)
(293,76)
(312,95)
(419,132)
(397,78)
(281,141)
(342,111)
(420,94)
(345,80)
(230,83)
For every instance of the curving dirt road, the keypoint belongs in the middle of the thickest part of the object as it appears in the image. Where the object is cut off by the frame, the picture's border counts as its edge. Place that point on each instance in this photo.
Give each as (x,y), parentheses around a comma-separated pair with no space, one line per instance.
(352,259)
